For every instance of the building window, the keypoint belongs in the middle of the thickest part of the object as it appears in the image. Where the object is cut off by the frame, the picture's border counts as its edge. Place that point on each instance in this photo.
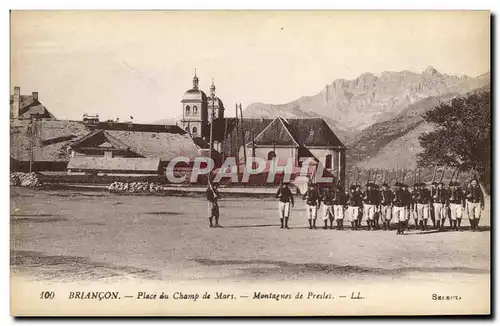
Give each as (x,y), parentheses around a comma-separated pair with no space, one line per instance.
(187,129)
(195,130)
(195,109)
(188,110)
(271,155)
(328,161)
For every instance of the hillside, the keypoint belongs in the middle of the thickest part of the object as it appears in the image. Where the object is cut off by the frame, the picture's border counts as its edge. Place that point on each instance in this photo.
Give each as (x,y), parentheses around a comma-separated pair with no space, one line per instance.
(353,105)
(372,139)
(395,143)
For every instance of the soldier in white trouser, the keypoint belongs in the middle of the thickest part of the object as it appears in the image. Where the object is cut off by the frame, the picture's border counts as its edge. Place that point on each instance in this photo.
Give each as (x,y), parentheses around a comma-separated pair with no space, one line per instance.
(440,198)
(457,205)
(339,206)
(399,208)
(328,213)
(354,205)
(475,204)
(386,198)
(370,201)
(312,199)
(423,205)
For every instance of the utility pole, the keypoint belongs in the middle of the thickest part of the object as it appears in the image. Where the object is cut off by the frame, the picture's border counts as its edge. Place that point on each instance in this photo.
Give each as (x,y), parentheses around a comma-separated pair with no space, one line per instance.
(243,136)
(32,142)
(212,130)
(224,140)
(237,143)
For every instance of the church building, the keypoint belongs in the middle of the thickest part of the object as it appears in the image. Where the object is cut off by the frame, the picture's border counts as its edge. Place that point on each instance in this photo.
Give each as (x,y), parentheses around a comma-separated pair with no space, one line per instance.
(268,138)
(198,110)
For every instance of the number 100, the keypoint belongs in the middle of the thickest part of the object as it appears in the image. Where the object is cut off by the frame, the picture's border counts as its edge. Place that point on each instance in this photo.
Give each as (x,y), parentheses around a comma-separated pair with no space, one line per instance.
(47,295)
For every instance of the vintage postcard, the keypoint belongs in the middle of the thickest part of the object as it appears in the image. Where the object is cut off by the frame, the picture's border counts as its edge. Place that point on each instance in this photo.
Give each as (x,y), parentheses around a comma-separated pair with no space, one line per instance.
(250,163)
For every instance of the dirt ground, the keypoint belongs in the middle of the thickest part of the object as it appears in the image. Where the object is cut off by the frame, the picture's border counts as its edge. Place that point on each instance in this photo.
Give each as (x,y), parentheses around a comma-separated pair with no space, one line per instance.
(70,235)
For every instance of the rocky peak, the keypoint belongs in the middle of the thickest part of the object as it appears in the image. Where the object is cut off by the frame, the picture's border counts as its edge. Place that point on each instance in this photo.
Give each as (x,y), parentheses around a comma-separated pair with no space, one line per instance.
(431,71)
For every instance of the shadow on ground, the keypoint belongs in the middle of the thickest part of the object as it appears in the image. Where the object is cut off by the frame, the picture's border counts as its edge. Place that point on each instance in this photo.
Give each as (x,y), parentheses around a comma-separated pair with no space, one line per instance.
(301,268)
(70,268)
(36,218)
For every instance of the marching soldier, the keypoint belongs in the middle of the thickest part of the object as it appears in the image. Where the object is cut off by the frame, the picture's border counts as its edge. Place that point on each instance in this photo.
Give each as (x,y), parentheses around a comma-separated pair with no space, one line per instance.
(386,198)
(413,206)
(213,196)
(360,211)
(399,207)
(475,204)
(370,201)
(407,202)
(285,196)
(354,205)
(338,207)
(433,217)
(377,206)
(312,198)
(457,205)
(423,203)
(328,200)
(440,199)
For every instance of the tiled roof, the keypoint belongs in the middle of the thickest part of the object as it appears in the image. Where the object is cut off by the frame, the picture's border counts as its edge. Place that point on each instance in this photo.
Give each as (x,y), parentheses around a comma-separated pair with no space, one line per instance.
(52,138)
(280,131)
(165,146)
(276,133)
(313,132)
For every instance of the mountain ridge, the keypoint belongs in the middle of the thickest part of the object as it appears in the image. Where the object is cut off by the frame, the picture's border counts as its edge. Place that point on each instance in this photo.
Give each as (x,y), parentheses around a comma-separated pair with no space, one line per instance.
(353,105)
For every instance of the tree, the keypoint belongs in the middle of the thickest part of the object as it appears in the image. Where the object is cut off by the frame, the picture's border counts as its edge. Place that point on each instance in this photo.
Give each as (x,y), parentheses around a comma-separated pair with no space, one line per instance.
(462,138)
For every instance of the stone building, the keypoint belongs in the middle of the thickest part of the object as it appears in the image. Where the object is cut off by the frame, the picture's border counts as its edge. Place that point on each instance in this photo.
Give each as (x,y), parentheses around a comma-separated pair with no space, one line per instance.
(276,138)
(27,106)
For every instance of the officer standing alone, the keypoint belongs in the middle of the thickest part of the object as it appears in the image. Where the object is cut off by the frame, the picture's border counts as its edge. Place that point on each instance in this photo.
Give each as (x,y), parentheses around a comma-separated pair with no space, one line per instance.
(213,196)
(285,197)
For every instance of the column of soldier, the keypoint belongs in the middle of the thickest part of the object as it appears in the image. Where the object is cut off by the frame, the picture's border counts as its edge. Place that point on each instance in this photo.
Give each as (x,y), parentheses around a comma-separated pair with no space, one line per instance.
(379,207)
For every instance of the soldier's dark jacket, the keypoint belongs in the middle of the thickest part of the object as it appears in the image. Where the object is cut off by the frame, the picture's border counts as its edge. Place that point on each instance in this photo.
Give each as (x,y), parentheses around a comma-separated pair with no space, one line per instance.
(340,198)
(328,197)
(440,196)
(377,194)
(423,196)
(475,195)
(355,199)
(457,197)
(311,197)
(212,195)
(386,197)
(399,198)
(370,197)
(407,198)
(285,195)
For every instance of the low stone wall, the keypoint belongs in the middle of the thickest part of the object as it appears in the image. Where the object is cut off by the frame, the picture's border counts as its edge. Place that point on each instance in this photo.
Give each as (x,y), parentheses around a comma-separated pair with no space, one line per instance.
(23,179)
(135,187)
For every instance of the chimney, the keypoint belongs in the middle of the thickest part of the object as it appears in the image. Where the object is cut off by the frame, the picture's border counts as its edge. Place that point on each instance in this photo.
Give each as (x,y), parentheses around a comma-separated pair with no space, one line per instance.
(17,102)
(35,96)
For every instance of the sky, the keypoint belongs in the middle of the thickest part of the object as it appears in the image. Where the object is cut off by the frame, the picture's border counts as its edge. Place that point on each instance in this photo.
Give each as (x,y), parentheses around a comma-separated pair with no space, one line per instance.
(139,63)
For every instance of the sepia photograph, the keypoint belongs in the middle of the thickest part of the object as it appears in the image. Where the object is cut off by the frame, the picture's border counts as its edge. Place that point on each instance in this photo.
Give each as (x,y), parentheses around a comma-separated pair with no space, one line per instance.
(250,163)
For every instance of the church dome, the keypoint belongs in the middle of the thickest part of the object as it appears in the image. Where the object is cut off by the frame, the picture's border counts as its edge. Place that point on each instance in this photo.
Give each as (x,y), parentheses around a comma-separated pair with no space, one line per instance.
(218,102)
(194,95)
